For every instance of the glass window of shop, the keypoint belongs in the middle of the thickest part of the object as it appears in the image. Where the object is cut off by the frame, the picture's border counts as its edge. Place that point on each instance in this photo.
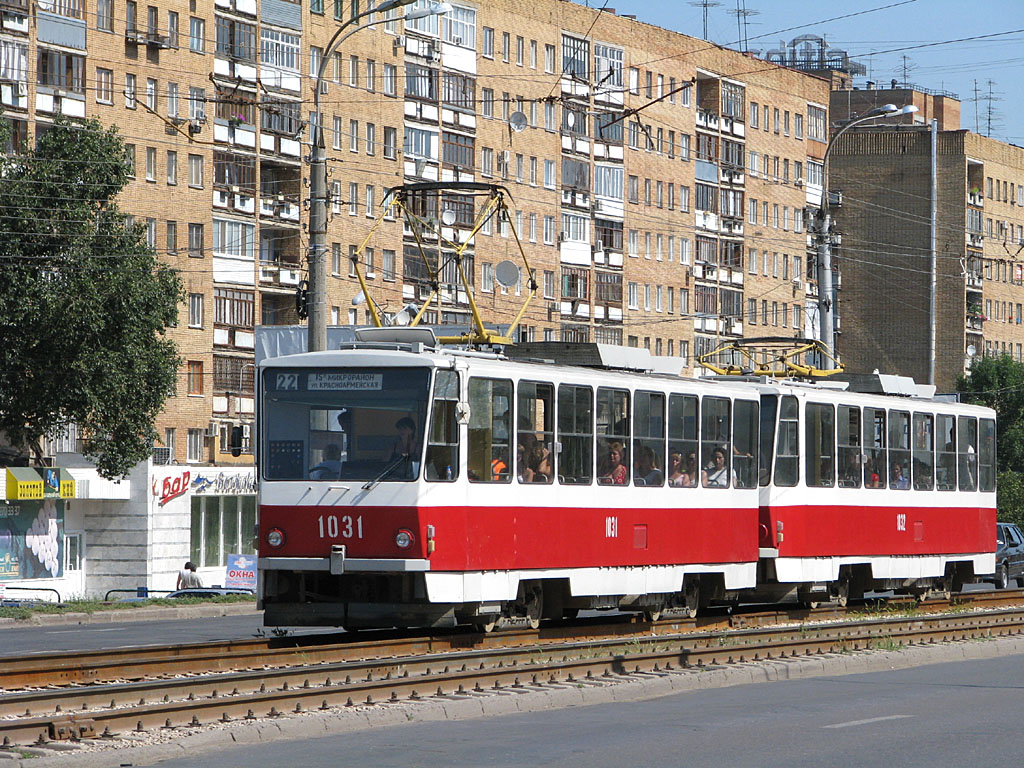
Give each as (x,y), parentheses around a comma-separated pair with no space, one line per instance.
(222,526)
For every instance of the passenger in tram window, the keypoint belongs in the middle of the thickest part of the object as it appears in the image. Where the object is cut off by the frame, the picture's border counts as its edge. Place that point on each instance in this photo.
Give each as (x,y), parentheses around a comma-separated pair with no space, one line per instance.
(677,476)
(899,479)
(524,460)
(541,464)
(499,467)
(871,476)
(851,468)
(716,474)
(614,471)
(330,467)
(405,443)
(647,472)
(691,469)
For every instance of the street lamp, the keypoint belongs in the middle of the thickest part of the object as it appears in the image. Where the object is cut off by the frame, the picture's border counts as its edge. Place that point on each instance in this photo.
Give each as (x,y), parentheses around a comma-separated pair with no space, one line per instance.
(823,226)
(317,296)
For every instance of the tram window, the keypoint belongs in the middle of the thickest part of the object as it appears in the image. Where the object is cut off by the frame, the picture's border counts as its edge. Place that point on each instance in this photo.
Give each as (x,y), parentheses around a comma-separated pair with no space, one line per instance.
(490,428)
(769,410)
(945,475)
(649,438)
(535,457)
(339,423)
(924,451)
(787,447)
(848,439)
(443,439)
(899,450)
(819,441)
(874,448)
(682,441)
(744,444)
(613,460)
(575,435)
(967,451)
(987,455)
(714,442)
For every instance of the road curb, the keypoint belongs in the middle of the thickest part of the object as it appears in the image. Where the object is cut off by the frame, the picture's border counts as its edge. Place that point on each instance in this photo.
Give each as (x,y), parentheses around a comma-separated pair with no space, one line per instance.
(155,613)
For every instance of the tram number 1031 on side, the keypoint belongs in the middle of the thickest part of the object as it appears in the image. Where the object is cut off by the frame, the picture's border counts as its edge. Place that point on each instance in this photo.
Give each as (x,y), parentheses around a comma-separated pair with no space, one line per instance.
(345,527)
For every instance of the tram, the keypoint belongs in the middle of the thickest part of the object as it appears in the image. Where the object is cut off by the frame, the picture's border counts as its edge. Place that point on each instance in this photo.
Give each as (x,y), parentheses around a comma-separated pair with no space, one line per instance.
(402,483)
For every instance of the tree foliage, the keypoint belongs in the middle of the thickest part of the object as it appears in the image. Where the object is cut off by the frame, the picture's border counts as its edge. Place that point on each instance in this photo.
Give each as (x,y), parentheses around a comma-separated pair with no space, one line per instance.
(998,382)
(84,302)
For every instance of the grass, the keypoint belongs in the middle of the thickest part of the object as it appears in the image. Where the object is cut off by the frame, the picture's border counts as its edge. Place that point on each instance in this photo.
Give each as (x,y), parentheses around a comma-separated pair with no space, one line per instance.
(90,605)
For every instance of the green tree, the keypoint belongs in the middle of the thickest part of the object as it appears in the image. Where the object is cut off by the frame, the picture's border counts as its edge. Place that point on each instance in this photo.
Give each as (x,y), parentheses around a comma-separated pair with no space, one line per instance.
(998,382)
(84,302)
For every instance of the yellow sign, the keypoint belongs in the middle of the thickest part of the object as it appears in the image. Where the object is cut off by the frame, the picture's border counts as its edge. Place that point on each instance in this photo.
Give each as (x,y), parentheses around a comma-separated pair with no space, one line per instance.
(24,483)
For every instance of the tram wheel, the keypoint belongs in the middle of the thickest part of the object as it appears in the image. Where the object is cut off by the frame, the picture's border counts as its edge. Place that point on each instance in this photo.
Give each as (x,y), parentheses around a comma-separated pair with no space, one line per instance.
(842,596)
(692,593)
(807,599)
(487,625)
(534,607)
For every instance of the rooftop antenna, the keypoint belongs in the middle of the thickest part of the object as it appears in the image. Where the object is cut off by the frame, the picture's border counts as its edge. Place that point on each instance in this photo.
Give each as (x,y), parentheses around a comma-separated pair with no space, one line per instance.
(705,4)
(742,13)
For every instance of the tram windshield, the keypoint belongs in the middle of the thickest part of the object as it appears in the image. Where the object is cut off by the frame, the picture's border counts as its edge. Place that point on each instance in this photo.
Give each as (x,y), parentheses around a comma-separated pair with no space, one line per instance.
(344,423)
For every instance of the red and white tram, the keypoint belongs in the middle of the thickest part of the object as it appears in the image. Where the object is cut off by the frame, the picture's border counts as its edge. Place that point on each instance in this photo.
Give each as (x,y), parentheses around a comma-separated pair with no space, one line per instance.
(402,484)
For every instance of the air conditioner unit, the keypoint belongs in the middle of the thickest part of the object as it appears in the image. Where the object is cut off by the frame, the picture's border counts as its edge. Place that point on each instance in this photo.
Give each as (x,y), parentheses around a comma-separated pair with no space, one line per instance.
(598,245)
(562,237)
(398,42)
(456,40)
(799,182)
(212,429)
(195,126)
(22,89)
(324,86)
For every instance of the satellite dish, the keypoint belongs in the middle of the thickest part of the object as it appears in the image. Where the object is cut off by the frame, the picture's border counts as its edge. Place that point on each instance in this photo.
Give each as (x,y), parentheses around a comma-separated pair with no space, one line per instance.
(971,350)
(570,119)
(506,273)
(448,217)
(517,121)
(358,299)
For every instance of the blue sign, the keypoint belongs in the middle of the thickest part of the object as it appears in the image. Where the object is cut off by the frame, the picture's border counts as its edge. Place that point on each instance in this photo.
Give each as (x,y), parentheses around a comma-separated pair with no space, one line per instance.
(241,572)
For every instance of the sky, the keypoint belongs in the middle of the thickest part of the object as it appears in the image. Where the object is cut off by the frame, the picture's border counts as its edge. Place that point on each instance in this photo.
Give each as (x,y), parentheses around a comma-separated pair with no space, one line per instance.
(931,38)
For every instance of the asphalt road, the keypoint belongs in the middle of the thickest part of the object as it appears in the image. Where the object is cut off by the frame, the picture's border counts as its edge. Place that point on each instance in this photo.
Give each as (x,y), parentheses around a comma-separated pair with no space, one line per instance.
(953,714)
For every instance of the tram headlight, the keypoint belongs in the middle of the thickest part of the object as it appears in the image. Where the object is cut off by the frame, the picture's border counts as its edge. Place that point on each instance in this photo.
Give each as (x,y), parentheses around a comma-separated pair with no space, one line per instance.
(275,537)
(404,538)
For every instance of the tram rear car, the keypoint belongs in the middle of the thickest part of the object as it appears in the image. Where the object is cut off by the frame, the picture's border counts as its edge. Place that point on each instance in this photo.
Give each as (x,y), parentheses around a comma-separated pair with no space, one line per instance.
(874,492)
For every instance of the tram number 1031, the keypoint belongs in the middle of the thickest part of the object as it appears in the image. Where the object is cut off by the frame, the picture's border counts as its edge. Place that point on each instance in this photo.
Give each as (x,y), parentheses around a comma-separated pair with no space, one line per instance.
(346,526)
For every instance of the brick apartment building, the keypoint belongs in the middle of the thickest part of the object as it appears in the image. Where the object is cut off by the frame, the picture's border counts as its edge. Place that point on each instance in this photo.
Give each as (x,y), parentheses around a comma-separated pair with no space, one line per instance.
(884,174)
(658,189)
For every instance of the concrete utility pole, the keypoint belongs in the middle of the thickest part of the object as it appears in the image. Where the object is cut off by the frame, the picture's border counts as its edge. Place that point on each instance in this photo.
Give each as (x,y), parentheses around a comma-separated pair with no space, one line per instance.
(317,297)
(823,231)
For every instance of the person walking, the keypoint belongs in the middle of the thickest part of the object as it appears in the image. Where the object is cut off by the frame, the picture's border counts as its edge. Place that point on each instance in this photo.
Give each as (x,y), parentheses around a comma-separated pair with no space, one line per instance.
(188,578)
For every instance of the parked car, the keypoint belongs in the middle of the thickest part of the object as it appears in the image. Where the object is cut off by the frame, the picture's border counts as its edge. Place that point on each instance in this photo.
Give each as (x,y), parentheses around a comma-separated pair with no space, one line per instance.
(1009,556)
(209,592)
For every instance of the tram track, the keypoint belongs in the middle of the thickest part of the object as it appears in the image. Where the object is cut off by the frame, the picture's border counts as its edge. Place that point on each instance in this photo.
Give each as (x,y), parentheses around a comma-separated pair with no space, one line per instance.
(154,662)
(460,665)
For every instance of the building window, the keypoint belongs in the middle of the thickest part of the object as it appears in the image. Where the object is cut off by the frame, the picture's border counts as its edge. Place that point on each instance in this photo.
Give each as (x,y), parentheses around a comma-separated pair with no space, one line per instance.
(195,377)
(195,171)
(576,58)
(817,127)
(196,237)
(195,310)
(172,237)
(104,85)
